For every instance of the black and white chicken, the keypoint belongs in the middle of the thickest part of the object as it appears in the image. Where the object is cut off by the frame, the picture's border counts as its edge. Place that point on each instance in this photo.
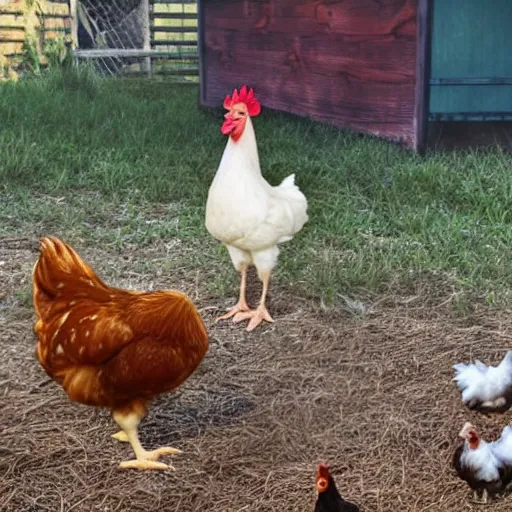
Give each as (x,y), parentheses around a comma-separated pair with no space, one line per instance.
(486,467)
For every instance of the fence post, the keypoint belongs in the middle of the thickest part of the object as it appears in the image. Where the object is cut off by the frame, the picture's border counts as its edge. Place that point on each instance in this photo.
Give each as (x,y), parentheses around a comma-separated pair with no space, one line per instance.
(73,14)
(146,31)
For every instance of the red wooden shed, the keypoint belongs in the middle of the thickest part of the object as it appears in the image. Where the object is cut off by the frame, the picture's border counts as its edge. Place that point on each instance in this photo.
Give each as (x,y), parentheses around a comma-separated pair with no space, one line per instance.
(358,64)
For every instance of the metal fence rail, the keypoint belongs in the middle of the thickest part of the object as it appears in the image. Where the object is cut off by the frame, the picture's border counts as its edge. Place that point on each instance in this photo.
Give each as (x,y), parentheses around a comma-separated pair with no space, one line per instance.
(123,37)
(167,46)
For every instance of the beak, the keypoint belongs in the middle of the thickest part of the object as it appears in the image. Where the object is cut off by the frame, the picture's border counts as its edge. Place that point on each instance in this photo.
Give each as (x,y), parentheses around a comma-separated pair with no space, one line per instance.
(229,124)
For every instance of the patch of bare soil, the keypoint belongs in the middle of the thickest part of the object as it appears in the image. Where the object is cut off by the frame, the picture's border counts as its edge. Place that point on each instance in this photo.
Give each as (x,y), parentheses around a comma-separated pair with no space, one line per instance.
(371,396)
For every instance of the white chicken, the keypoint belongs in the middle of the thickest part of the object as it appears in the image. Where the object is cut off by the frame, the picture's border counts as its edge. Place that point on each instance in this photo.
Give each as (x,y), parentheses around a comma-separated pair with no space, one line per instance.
(486,388)
(486,467)
(244,212)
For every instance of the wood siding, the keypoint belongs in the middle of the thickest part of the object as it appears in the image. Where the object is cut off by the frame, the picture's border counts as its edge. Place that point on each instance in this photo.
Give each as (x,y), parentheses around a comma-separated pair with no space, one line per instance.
(351,63)
(44,19)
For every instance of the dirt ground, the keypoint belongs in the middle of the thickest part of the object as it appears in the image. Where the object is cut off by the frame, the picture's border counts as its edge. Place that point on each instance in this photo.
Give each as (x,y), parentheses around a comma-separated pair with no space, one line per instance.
(372,396)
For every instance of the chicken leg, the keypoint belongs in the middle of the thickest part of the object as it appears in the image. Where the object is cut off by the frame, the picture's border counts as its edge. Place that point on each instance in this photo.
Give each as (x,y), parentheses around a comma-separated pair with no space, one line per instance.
(483,500)
(241,305)
(259,314)
(144,460)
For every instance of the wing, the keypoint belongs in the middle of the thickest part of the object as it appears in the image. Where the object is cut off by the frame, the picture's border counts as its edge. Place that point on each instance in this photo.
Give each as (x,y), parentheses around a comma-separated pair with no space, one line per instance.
(170,342)
(84,334)
(284,217)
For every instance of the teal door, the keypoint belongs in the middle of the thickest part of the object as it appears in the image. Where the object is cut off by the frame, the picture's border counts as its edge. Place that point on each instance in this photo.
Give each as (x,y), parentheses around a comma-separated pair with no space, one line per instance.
(471,60)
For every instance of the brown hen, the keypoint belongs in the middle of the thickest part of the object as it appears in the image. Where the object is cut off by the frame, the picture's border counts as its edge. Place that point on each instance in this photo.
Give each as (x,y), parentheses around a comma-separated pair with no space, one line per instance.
(110,347)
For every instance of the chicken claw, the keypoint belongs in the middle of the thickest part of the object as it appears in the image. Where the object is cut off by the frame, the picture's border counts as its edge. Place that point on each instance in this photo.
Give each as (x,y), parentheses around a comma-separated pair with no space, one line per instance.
(143,465)
(129,423)
(239,307)
(148,460)
(121,436)
(256,316)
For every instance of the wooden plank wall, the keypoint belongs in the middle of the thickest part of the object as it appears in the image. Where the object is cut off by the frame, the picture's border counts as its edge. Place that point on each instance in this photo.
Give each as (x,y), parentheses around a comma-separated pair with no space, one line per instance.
(17,19)
(351,63)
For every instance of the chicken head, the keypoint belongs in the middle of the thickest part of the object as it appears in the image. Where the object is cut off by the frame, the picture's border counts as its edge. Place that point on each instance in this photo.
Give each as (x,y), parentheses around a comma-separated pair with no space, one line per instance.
(239,106)
(470,434)
(322,478)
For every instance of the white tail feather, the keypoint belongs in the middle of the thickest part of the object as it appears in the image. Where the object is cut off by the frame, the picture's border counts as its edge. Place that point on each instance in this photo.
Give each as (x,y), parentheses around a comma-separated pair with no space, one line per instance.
(502,448)
(482,383)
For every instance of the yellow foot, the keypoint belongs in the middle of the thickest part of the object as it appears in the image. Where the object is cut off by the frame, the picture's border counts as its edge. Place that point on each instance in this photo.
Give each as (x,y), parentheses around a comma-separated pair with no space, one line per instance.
(256,316)
(121,436)
(237,308)
(148,460)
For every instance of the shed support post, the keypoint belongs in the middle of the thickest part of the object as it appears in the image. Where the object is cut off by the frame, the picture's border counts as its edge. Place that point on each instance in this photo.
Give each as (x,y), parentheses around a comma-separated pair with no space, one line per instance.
(146,31)
(73,15)
(422,96)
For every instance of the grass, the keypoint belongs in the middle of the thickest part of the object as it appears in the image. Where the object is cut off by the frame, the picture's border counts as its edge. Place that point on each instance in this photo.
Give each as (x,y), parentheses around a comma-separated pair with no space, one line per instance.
(117,162)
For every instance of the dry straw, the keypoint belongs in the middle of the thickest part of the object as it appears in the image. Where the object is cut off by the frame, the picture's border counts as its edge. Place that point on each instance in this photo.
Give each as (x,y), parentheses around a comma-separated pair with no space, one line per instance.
(372,396)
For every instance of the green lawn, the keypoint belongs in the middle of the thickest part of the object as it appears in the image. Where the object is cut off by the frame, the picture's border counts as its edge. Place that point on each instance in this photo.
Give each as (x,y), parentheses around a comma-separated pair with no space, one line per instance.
(118,162)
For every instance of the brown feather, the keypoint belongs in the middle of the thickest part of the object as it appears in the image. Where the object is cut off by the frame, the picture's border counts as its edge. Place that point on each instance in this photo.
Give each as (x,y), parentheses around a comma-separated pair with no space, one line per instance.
(107,346)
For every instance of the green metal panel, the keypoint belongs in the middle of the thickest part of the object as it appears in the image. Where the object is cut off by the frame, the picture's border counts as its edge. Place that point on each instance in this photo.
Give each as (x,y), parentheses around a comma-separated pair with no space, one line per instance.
(471,62)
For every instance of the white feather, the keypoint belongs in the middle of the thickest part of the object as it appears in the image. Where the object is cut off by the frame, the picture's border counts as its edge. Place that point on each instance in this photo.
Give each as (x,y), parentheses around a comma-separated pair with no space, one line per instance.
(502,447)
(244,211)
(482,460)
(482,383)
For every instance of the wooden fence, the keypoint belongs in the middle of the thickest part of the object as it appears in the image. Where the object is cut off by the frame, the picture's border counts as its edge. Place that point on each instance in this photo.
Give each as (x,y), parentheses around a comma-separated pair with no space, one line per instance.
(170,48)
(174,31)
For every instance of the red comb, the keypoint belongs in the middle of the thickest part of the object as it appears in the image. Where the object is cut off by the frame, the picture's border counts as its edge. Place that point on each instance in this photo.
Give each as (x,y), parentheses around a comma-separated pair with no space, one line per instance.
(253,105)
(323,471)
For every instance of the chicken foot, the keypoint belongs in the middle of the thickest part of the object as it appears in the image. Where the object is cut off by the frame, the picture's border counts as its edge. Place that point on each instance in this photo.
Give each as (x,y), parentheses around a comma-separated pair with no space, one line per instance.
(256,316)
(485,497)
(144,459)
(241,305)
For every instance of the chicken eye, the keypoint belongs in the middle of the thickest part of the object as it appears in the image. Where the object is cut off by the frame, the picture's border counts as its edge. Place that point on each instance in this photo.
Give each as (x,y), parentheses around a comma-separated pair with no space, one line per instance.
(240,113)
